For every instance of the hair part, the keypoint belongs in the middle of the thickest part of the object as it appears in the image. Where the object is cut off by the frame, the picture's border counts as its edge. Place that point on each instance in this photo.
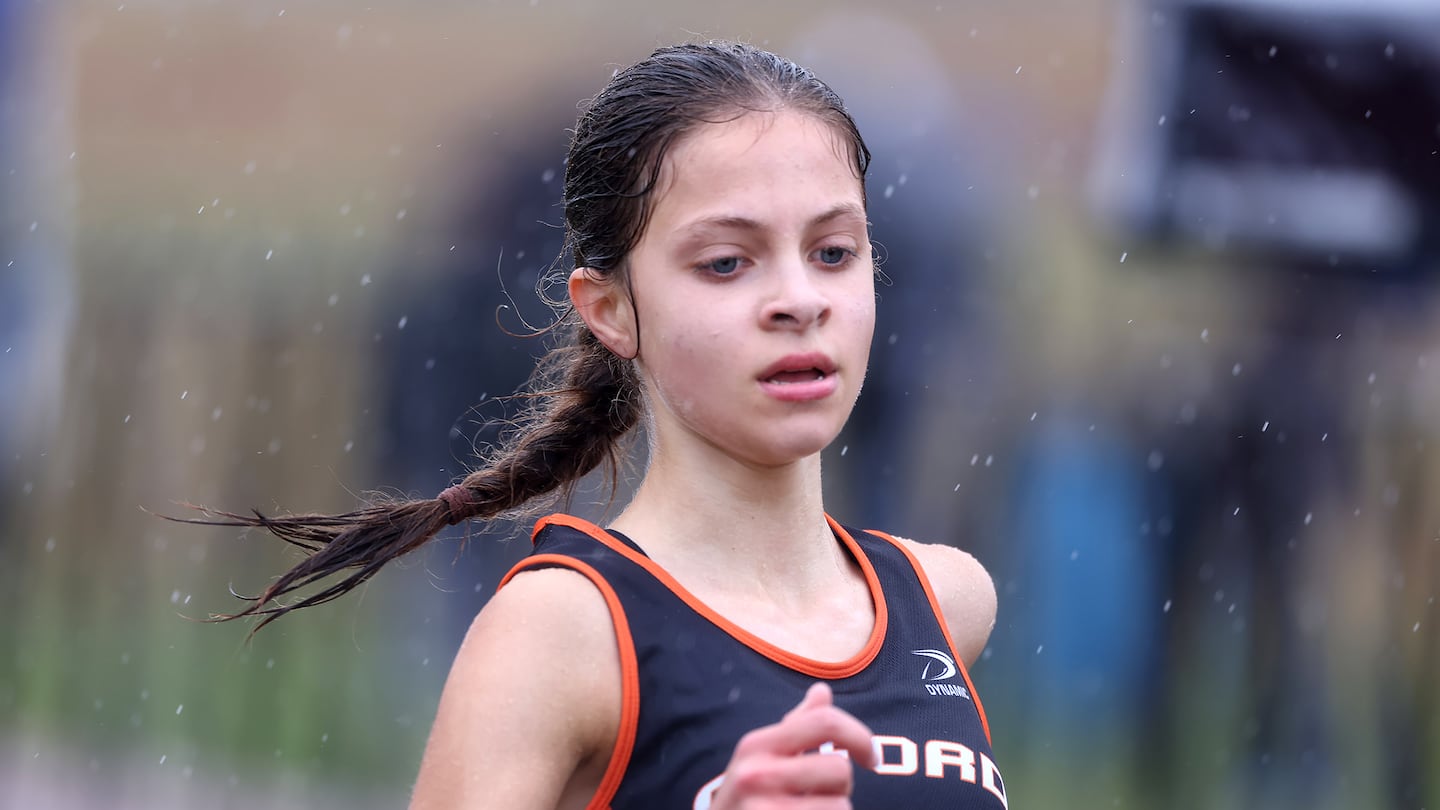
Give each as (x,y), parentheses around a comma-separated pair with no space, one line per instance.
(584,399)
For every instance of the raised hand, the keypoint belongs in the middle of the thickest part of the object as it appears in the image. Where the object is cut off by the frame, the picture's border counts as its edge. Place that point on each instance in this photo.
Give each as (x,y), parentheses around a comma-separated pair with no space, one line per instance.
(779,766)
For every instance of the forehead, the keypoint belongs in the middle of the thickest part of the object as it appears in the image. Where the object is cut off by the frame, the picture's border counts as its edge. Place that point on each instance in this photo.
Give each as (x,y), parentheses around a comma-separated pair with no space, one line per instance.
(760,161)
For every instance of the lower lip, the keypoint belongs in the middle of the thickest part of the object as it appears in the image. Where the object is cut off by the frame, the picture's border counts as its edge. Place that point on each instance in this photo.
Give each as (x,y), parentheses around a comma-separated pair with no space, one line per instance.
(802,391)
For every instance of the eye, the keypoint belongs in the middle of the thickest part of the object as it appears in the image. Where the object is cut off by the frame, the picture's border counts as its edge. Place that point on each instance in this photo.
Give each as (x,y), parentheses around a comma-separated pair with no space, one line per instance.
(834,256)
(723,266)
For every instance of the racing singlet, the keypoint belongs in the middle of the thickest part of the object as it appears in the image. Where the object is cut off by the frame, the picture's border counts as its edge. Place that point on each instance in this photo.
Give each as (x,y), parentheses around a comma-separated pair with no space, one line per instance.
(694,682)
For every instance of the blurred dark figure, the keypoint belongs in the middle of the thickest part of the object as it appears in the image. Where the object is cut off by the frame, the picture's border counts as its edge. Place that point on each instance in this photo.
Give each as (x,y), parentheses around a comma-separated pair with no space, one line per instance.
(35,280)
(1297,143)
(934,241)
(457,336)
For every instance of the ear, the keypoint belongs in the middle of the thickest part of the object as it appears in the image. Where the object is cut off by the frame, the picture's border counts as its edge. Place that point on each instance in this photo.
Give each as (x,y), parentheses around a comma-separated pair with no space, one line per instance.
(606,308)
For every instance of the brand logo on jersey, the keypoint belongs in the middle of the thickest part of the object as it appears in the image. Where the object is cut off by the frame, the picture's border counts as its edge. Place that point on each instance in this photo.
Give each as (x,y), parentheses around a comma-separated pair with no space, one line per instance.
(939,666)
(946,670)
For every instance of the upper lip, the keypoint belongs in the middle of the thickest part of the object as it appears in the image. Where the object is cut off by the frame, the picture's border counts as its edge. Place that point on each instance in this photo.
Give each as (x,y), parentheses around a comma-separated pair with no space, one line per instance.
(800,362)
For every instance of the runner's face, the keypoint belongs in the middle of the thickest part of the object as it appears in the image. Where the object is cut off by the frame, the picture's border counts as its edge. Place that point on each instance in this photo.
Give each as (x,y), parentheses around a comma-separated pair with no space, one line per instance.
(754,289)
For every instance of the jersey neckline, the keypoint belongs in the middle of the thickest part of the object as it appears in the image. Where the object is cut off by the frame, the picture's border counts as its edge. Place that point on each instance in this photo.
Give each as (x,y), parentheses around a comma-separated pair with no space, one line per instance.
(829,670)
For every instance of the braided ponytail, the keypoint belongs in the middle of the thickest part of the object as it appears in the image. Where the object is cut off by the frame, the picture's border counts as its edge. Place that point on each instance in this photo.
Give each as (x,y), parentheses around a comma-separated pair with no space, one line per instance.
(590,402)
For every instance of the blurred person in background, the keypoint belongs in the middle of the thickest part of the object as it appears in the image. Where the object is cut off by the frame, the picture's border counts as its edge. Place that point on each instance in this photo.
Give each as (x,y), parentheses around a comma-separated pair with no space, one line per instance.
(732,311)
(470,288)
(35,282)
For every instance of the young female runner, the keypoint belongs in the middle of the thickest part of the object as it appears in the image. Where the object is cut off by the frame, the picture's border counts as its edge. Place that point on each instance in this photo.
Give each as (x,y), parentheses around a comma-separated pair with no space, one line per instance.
(723,643)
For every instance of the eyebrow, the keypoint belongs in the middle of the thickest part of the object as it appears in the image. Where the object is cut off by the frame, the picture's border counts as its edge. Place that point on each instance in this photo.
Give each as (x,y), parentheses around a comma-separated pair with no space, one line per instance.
(747,224)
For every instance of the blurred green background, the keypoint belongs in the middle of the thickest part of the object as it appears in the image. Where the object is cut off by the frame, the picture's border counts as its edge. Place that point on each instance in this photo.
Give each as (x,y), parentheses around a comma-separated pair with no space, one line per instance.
(235,240)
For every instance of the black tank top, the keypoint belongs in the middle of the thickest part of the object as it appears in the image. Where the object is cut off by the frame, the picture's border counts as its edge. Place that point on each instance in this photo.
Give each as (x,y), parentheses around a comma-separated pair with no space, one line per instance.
(694,683)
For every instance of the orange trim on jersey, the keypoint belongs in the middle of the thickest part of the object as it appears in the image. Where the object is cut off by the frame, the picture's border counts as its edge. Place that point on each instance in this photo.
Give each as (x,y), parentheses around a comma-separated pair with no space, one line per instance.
(944,628)
(629,674)
(809,666)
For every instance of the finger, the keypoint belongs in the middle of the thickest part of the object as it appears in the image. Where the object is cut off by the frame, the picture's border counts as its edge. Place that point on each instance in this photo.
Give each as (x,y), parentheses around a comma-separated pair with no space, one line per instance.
(804,731)
(818,694)
(808,775)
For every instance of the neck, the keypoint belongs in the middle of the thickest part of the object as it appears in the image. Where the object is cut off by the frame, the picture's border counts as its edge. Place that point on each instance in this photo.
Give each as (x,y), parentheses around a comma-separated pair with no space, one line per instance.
(717,518)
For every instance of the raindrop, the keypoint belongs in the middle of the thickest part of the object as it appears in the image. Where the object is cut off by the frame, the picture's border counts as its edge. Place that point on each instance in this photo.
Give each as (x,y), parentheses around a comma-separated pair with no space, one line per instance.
(334,299)
(1235,370)
(404,319)
(268,254)
(1236,512)
(365,280)
(1123,254)
(349,446)
(215,414)
(164,757)
(1034,414)
(889,191)
(400,214)
(185,393)
(1155,461)
(250,167)
(1039,649)
(1168,603)
(49,544)
(989,460)
(1017,70)
(1265,426)
(844,450)
(179,709)
(1205,335)
(1309,516)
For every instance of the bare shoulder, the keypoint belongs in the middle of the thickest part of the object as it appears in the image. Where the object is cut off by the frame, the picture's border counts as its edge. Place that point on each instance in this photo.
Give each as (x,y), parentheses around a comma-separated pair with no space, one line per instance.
(532,702)
(965,591)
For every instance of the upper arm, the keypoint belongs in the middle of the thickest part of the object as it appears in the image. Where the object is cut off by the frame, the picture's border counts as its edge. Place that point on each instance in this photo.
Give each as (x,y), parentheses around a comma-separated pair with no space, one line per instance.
(532,699)
(965,592)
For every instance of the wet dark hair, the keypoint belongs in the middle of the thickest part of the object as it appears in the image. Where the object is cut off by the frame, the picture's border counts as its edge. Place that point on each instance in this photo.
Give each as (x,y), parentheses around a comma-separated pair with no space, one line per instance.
(585,399)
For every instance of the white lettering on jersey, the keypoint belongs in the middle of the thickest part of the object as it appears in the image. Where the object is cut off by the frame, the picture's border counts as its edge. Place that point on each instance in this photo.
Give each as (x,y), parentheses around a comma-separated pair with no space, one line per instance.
(901,756)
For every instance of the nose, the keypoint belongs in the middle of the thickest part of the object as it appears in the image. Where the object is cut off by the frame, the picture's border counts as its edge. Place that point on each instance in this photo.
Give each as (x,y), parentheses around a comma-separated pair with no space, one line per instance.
(796,299)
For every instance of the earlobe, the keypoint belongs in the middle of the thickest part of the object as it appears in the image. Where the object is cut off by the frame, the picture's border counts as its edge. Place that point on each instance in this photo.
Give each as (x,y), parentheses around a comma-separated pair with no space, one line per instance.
(606,309)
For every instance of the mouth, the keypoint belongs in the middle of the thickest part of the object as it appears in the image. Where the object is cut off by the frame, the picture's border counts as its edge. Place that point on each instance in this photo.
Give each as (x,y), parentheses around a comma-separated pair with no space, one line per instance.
(792,377)
(800,376)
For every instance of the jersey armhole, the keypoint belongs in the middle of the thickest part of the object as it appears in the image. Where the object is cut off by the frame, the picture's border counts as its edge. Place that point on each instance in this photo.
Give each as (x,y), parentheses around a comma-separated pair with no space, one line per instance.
(944,627)
(629,671)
